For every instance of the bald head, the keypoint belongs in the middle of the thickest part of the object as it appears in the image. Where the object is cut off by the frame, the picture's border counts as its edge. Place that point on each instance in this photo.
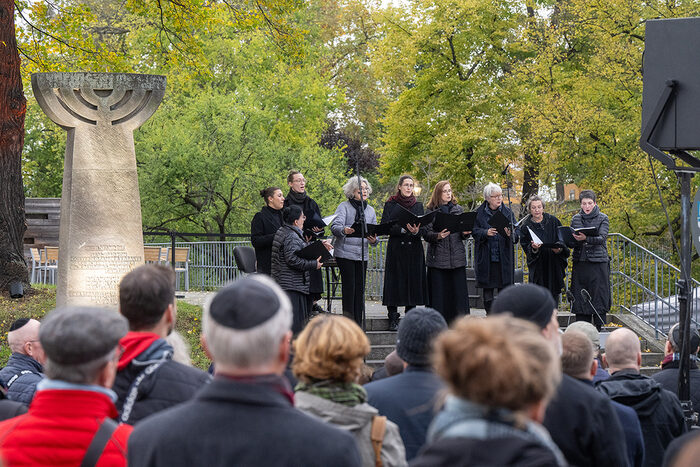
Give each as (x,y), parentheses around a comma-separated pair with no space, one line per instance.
(25,340)
(622,350)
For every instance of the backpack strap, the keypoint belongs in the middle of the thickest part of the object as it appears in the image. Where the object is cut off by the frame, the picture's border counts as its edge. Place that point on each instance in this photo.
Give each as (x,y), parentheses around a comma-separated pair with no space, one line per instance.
(98,443)
(377,437)
(132,394)
(11,381)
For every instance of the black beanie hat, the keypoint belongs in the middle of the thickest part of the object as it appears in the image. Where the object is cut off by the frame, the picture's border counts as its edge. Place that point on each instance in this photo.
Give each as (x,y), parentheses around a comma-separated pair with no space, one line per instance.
(416,334)
(530,302)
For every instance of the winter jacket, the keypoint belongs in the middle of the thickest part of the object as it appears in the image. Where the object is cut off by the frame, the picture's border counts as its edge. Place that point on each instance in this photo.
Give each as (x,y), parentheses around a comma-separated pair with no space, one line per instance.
(593,249)
(289,270)
(20,377)
(350,247)
(234,422)
(263,228)
(449,252)
(482,248)
(58,429)
(584,425)
(409,399)
(659,410)
(668,379)
(165,382)
(358,421)
(487,436)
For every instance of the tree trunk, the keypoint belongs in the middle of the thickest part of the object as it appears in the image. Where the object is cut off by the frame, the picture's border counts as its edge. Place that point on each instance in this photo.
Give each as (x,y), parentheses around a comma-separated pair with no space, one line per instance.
(13,105)
(531,173)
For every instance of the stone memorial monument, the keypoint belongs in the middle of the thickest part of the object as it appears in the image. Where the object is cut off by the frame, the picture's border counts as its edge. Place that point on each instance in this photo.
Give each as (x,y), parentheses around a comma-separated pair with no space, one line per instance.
(100,236)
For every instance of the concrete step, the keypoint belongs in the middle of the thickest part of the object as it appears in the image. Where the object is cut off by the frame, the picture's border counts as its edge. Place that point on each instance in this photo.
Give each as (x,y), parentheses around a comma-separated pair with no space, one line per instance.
(379,352)
(649,370)
(652,359)
(381,337)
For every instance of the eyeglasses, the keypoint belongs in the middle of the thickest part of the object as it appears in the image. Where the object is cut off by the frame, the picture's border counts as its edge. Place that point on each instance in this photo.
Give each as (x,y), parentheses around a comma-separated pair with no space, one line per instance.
(496,196)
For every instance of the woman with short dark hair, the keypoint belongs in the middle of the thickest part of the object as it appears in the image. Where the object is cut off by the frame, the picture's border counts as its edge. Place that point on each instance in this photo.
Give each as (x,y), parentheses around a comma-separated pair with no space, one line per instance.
(264,226)
(590,274)
(546,266)
(291,271)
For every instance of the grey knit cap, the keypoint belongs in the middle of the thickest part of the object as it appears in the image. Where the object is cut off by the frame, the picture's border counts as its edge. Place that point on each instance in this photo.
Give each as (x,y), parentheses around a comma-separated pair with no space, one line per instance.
(417,331)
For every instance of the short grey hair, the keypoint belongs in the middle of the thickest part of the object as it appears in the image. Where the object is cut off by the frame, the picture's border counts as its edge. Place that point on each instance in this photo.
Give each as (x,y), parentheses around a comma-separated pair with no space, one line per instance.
(250,348)
(351,185)
(490,189)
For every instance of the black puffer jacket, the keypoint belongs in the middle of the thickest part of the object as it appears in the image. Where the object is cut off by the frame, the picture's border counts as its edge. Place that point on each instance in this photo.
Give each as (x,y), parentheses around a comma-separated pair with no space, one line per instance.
(659,410)
(593,249)
(170,383)
(449,252)
(289,270)
(20,377)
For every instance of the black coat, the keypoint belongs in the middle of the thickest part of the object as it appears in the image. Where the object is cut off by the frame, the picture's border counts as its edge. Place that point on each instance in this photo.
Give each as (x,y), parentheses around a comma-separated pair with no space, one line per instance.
(408,399)
(23,373)
(659,410)
(594,248)
(289,270)
(171,384)
(545,267)
(449,252)
(263,228)
(668,379)
(482,266)
(584,425)
(235,423)
(404,271)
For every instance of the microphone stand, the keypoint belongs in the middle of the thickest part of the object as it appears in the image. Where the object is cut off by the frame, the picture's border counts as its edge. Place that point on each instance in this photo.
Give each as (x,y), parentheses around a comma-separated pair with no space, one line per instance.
(509,185)
(587,296)
(363,226)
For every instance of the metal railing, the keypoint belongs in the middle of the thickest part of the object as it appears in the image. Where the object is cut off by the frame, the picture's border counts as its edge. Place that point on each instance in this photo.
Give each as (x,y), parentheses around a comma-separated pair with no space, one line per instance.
(642,282)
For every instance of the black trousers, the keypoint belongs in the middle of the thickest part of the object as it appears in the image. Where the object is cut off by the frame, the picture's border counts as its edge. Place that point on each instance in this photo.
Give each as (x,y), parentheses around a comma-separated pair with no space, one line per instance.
(447,292)
(301,306)
(352,277)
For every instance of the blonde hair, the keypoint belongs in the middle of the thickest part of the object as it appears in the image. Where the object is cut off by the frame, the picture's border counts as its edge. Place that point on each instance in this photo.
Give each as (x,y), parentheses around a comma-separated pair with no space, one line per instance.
(498,361)
(331,347)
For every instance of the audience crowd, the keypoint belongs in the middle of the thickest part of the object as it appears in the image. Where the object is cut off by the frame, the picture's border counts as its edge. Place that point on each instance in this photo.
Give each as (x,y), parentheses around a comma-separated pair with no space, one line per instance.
(91,387)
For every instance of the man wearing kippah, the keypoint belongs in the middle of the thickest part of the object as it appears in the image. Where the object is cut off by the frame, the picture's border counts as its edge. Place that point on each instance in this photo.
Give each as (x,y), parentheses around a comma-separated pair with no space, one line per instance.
(582,421)
(668,376)
(24,368)
(409,398)
(70,419)
(246,416)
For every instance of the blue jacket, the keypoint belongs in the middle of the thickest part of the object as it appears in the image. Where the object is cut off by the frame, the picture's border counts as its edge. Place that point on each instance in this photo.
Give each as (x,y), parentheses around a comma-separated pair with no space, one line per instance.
(20,377)
(409,400)
(485,246)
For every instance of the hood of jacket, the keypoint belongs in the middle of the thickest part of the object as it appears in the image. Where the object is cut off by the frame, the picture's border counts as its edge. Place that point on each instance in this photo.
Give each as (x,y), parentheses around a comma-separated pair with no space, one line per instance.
(629,388)
(143,348)
(350,418)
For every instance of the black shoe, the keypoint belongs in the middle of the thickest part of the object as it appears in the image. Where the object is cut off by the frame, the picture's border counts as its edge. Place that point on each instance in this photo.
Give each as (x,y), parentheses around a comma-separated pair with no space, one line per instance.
(316,309)
(393,324)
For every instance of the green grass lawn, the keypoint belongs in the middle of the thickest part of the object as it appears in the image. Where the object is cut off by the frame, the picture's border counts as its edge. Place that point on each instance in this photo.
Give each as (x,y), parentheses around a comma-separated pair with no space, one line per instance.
(42,299)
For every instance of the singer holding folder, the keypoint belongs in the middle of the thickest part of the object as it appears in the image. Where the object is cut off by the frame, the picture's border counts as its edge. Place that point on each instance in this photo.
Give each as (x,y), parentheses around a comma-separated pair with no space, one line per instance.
(590,275)
(446,258)
(404,270)
(349,249)
(546,257)
(493,246)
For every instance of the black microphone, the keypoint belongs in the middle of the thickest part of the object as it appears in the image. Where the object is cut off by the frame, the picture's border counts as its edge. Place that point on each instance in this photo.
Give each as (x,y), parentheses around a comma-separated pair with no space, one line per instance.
(505,170)
(570,296)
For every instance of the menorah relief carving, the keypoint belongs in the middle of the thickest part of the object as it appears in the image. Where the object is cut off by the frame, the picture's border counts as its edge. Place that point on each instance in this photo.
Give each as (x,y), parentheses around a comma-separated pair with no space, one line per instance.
(100,236)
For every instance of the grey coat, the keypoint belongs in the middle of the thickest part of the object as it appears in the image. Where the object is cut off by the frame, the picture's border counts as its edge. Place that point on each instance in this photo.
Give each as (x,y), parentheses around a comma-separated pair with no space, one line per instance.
(358,421)
(449,252)
(350,247)
(289,270)
(593,249)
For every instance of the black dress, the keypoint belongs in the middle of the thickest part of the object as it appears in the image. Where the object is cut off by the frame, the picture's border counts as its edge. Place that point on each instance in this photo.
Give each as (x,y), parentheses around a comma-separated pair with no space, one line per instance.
(545,267)
(309,205)
(262,230)
(404,271)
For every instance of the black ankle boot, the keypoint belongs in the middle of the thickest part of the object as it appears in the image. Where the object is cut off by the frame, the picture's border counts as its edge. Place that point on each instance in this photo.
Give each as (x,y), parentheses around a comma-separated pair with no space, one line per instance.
(394,323)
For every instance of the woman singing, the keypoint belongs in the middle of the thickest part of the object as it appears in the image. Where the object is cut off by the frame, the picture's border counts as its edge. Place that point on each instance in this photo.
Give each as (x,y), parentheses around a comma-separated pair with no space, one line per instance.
(590,275)
(493,251)
(446,259)
(546,266)
(349,251)
(264,226)
(297,196)
(404,271)
(289,270)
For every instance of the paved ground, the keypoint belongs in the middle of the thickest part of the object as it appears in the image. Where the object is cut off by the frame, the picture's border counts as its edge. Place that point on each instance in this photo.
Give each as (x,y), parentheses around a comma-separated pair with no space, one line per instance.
(375,309)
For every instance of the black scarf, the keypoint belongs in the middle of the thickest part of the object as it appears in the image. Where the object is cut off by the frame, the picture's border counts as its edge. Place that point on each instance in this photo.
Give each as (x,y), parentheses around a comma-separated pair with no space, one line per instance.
(446,208)
(359,208)
(297,198)
(594,213)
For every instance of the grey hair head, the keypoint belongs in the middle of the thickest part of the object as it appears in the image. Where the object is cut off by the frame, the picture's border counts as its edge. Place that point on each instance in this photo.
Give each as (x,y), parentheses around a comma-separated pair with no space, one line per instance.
(491,189)
(78,341)
(351,185)
(248,348)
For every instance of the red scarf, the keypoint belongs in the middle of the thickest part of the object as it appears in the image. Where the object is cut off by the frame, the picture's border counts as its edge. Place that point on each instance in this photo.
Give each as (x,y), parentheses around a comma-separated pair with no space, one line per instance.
(404,201)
